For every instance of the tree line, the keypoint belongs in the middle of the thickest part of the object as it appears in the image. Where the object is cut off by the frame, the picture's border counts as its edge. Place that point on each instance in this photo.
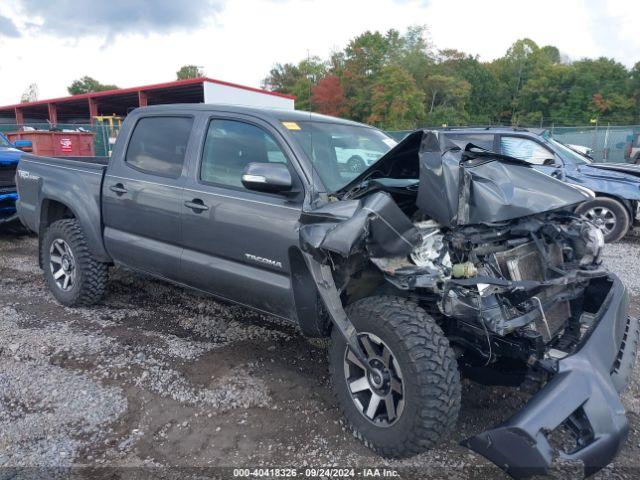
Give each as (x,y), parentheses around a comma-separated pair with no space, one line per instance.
(401,81)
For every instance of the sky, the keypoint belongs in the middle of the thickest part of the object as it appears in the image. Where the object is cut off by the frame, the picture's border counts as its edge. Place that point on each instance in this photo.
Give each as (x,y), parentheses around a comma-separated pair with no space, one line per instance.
(131,43)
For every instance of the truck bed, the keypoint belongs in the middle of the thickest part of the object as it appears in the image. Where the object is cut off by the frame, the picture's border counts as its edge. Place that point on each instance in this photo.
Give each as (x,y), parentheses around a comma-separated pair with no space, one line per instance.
(74,182)
(99,160)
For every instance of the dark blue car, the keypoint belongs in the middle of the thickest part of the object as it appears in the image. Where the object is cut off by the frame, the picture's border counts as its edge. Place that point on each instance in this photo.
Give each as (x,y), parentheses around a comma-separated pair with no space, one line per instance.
(616,186)
(9,156)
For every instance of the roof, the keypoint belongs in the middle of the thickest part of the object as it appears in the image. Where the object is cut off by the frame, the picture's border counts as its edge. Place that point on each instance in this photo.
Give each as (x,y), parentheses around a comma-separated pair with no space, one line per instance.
(145,88)
(278,115)
(498,129)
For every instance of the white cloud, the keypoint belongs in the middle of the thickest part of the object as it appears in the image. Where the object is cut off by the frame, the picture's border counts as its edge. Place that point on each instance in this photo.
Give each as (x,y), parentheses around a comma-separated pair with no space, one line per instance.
(242,41)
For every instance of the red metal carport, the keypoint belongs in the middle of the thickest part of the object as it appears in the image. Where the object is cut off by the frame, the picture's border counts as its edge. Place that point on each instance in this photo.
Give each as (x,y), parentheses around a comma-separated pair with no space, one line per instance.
(81,109)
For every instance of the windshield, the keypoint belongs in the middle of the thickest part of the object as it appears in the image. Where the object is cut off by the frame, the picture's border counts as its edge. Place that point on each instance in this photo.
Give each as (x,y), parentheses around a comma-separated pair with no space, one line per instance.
(4,142)
(568,153)
(339,153)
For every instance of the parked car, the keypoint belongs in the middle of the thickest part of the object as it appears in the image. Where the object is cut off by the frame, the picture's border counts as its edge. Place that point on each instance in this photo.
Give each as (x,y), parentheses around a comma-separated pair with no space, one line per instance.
(9,156)
(581,149)
(433,262)
(632,153)
(616,186)
(357,153)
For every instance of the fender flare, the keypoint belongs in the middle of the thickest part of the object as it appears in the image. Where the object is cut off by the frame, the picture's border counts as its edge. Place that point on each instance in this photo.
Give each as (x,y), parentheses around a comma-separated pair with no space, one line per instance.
(91,229)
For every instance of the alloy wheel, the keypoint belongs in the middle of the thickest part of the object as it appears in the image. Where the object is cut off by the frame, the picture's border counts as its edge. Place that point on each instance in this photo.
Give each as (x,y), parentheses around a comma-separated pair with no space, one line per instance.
(356,165)
(378,394)
(603,218)
(62,264)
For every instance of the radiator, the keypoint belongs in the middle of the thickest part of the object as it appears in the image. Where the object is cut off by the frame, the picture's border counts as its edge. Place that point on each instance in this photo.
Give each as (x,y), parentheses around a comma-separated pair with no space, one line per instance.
(524,262)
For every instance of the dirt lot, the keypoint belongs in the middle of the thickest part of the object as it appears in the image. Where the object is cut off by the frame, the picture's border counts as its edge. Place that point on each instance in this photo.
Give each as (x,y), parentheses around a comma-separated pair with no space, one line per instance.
(156,376)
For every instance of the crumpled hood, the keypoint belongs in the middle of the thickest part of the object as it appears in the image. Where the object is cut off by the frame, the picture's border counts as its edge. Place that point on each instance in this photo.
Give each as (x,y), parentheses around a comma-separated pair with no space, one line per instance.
(613,171)
(9,155)
(463,186)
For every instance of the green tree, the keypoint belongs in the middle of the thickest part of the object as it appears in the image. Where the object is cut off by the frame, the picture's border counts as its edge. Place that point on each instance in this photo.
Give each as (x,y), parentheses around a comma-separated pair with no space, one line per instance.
(396,101)
(415,54)
(483,104)
(87,84)
(529,85)
(445,91)
(635,89)
(297,80)
(364,58)
(189,71)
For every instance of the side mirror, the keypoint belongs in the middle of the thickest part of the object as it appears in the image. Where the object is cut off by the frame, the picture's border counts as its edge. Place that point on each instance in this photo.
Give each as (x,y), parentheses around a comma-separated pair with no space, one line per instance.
(551,162)
(267,177)
(24,145)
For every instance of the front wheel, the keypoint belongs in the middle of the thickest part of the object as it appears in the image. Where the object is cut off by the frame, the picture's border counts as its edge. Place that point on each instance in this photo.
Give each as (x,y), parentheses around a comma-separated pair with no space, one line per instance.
(410,398)
(71,272)
(608,215)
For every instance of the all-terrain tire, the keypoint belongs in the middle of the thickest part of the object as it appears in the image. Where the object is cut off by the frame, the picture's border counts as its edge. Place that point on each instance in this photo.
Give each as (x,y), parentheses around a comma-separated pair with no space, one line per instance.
(91,275)
(429,369)
(622,217)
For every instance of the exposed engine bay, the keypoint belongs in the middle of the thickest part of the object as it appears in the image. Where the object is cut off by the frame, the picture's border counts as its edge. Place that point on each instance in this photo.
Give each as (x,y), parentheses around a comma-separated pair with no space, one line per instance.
(492,250)
(512,283)
(523,278)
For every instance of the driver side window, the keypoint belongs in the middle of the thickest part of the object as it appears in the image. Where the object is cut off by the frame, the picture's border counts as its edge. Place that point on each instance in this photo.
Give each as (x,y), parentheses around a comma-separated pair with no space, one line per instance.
(230,146)
(525,149)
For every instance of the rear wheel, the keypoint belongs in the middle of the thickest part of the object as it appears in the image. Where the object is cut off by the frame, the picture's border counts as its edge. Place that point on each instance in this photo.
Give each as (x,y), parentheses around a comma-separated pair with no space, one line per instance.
(72,273)
(411,396)
(608,215)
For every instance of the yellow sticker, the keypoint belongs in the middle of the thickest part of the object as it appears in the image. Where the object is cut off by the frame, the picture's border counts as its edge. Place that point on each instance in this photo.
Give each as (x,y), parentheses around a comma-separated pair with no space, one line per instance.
(291,125)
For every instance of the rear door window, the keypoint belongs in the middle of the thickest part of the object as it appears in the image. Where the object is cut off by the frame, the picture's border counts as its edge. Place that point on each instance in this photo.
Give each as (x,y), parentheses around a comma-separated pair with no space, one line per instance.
(158,145)
(525,149)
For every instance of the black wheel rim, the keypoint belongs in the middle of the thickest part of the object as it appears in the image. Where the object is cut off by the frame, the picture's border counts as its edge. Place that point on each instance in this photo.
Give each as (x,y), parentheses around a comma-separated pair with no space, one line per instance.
(378,395)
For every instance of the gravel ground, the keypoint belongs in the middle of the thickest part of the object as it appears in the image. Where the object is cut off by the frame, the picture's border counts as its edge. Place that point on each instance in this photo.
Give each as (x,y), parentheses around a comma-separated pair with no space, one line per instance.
(156,376)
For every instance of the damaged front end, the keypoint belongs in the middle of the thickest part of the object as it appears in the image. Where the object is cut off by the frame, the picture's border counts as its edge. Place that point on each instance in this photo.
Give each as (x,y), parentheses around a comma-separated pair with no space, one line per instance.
(491,248)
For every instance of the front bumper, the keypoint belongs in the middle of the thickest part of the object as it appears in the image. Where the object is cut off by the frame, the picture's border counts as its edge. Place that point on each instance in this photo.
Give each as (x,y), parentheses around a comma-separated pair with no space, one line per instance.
(583,395)
(8,211)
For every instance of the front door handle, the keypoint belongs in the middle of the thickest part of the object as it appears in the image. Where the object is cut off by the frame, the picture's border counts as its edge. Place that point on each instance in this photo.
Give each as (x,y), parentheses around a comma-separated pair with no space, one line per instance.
(196,205)
(118,189)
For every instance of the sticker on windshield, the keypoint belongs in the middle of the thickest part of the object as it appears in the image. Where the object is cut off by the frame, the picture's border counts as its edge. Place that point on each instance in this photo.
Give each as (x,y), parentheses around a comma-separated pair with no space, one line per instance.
(390,142)
(291,126)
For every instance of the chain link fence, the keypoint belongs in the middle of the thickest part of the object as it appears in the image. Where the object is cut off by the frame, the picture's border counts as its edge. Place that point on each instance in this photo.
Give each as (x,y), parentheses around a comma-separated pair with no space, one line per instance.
(103,135)
(609,143)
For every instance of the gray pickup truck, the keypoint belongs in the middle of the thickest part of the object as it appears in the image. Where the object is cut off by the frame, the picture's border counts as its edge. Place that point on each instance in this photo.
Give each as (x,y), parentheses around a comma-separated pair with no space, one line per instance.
(435,261)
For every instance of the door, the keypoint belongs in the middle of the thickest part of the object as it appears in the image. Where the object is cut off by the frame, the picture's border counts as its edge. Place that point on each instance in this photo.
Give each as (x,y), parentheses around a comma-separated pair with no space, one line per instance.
(236,241)
(142,196)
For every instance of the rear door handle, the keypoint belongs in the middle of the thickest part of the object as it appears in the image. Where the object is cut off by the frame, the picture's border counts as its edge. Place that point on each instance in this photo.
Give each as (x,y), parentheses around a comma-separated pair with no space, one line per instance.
(196,205)
(118,188)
